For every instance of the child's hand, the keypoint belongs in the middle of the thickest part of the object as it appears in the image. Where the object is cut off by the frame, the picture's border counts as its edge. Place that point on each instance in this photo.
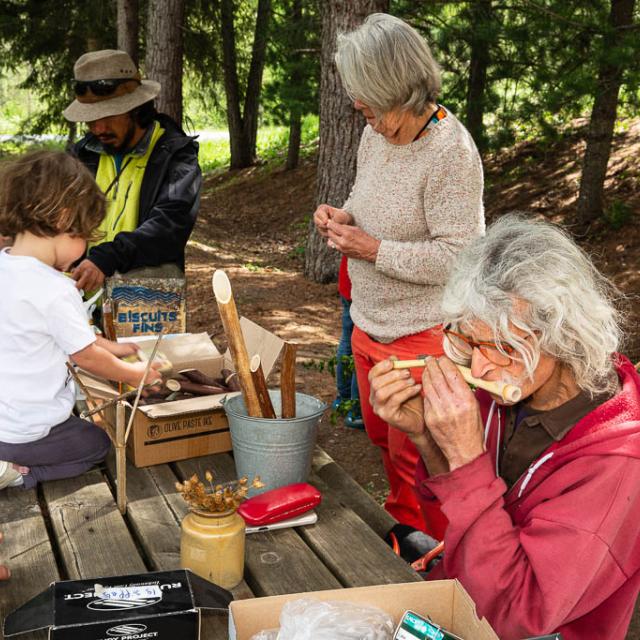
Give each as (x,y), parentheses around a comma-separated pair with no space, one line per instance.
(137,371)
(118,349)
(123,349)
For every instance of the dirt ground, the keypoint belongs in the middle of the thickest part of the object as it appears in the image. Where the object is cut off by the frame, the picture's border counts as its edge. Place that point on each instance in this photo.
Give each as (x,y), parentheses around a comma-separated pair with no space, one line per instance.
(253,223)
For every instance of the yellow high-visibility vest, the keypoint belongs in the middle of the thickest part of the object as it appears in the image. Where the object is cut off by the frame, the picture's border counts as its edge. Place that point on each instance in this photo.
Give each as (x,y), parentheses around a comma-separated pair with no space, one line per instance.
(123,189)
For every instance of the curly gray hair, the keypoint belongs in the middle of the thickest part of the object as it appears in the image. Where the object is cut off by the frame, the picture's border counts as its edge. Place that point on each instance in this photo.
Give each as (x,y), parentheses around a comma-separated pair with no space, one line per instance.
(387,64)
(569,310)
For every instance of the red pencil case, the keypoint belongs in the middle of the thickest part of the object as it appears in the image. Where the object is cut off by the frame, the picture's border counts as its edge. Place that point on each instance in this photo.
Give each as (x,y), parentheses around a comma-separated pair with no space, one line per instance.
(280,504)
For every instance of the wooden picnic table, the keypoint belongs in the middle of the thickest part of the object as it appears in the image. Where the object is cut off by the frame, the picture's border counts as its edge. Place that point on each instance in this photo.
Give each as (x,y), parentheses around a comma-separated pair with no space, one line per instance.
(71,529)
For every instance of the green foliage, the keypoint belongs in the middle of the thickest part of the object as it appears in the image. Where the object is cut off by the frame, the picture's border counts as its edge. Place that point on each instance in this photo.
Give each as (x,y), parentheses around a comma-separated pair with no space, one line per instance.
(618,214)
(21,144)
(293,57)
(272,142)
(50,36)
(543,56)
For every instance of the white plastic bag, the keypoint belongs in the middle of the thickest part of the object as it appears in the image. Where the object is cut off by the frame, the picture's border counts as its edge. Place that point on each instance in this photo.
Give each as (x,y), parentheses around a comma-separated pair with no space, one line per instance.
(308,619)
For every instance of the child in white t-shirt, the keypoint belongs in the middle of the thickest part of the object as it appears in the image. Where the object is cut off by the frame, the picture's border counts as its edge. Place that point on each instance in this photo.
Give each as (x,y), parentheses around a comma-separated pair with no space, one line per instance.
(50,205)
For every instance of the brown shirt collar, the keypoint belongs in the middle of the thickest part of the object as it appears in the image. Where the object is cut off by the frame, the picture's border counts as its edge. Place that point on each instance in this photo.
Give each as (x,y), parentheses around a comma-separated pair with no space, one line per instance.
(538,430)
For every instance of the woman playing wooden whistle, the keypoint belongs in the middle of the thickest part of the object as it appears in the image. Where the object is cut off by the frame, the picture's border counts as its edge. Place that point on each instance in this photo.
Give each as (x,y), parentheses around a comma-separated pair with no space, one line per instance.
(542,496)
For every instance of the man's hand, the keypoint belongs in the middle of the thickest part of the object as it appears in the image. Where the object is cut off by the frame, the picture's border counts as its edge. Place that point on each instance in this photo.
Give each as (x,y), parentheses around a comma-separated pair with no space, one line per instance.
(451,412)
(352,241)
(87,276)
(324,213)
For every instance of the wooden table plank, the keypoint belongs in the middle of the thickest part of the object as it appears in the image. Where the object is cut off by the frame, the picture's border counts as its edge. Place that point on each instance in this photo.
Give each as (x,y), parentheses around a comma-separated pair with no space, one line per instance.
(350,493)
(150,515)
(275,562)
(354,553)
(92,536)
(155,510)
(26,550)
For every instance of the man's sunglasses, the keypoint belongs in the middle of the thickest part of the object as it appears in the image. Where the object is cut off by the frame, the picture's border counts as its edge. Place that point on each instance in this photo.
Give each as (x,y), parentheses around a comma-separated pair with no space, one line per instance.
(99,87)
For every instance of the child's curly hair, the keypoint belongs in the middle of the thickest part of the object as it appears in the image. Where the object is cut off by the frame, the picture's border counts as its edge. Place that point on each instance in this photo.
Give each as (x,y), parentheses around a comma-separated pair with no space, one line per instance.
(48,193)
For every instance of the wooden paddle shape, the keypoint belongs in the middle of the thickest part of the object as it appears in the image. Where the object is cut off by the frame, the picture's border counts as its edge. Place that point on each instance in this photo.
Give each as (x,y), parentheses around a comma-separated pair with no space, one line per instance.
(237,347)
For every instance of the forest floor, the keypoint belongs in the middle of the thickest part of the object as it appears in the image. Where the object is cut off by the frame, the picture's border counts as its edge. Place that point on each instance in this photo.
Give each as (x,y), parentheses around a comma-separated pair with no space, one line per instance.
(253,223)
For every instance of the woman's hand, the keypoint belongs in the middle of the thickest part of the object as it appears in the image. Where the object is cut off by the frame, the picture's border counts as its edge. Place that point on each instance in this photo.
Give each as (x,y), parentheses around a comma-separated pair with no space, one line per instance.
(324,213)
(451,412)
(395,397)
(352,241)
(391,389)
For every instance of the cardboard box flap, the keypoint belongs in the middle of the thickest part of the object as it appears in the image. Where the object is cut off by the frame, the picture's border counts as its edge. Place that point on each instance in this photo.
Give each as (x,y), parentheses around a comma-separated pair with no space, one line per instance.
(208,595)
(97,387)
(191,351)
(184,407)
(35,614)
(258,340)
(464,613)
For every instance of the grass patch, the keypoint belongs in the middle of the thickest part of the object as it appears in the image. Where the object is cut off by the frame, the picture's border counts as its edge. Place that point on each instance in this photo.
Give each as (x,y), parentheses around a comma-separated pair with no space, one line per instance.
(271,146)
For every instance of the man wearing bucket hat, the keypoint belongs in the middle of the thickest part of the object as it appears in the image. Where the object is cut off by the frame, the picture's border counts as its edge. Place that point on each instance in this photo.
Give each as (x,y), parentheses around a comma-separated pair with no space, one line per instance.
(142,160)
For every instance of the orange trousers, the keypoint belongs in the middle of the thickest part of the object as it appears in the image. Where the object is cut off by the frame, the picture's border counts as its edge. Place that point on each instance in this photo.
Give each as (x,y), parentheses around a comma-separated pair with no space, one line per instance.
(399,455)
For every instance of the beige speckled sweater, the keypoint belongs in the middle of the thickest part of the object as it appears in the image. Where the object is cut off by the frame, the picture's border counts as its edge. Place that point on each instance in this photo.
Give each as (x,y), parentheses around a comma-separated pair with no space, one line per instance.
(423,200)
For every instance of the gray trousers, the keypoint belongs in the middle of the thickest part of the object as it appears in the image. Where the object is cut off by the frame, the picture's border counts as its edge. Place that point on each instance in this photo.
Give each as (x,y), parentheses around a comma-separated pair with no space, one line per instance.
(71,448)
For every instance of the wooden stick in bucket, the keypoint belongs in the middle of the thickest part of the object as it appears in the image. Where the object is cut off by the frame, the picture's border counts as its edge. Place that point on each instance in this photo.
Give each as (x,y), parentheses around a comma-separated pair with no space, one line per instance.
(237,347)
(508,392)
(288,380)
(261,388)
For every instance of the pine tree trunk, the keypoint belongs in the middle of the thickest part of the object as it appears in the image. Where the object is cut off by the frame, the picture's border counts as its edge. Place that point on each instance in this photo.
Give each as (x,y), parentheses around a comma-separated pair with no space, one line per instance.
(295,135)
(295,117)
(164,54)
(254,81)
(128,27)
(481,13)
(603,117)
(238,144)
(243,126)
(340,130)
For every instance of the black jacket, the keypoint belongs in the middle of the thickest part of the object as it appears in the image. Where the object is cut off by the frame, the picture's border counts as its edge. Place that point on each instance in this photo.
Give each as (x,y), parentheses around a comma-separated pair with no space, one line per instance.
(169,201)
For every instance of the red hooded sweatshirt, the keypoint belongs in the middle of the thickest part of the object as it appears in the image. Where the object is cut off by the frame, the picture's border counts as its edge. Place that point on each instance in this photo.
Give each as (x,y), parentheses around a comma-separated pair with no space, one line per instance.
(560,549)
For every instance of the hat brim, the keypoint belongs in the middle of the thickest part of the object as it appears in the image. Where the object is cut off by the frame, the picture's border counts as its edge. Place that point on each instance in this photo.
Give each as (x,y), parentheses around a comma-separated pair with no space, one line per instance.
(90,111)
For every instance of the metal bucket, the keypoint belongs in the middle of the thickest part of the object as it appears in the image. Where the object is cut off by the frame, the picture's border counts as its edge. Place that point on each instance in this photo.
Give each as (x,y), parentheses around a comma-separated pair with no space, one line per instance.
(278,450)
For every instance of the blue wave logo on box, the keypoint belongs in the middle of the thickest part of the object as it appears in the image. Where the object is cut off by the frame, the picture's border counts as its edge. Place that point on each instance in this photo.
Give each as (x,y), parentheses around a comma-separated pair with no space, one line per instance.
(134,295)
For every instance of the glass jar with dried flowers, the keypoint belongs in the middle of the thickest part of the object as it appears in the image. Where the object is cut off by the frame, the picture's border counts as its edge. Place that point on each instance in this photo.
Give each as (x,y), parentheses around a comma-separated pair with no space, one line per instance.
(212,541)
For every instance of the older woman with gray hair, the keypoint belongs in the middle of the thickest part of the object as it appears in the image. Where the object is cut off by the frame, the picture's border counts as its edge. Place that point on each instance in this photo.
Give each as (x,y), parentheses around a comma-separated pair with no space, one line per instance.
(416,201)
(542,496)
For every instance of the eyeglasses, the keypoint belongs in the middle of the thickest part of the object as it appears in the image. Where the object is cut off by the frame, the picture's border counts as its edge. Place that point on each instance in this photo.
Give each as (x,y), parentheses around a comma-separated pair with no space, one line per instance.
(462,347)
(99,87)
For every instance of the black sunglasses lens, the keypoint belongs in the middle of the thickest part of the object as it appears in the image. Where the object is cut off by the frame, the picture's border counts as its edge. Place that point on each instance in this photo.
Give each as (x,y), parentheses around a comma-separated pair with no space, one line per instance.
(104,87)
(98,87)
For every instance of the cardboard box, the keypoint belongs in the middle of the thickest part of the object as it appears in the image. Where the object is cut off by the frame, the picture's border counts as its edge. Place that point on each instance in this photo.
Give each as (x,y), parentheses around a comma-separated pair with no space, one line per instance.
(160,605)
(198,426)
(444,601)
(148,301)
